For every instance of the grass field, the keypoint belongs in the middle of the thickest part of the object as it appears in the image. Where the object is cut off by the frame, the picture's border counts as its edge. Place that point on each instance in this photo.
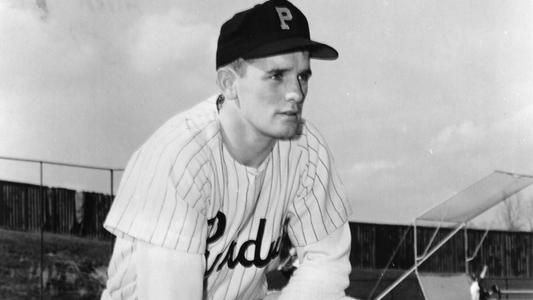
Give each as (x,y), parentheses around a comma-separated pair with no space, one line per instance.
(73,267)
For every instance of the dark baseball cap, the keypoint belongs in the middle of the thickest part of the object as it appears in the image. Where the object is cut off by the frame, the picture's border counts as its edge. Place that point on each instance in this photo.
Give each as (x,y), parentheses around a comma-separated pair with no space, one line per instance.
(271,28)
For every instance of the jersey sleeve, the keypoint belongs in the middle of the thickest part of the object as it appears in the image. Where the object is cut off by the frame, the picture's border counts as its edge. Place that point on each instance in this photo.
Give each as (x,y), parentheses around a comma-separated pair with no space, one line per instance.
(159,201)
(320,205)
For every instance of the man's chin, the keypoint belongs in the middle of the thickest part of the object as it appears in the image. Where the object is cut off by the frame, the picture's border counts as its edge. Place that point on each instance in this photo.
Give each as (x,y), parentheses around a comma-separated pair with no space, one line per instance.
(286,131)
(290,133)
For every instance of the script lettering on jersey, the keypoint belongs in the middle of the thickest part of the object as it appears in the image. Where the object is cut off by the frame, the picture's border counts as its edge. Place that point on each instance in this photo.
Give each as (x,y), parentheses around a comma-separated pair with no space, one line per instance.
(234,255)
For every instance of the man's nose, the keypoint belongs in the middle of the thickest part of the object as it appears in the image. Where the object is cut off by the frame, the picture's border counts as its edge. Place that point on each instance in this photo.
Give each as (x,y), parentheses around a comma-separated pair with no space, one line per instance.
(296,91)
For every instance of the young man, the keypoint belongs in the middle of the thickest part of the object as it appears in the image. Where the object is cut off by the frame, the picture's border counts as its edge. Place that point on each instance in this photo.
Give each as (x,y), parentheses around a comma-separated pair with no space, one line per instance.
(203,204)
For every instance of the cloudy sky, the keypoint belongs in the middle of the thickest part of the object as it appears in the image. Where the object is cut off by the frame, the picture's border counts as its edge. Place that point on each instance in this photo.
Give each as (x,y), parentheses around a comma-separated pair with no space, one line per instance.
(426,98)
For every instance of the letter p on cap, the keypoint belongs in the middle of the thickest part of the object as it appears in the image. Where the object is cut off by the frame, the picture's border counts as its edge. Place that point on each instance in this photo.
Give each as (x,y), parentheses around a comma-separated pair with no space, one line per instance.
(284,15)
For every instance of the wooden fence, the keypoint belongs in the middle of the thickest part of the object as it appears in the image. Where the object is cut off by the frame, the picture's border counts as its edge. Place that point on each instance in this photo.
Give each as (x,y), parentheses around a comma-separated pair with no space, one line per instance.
(21,208)
(507,254)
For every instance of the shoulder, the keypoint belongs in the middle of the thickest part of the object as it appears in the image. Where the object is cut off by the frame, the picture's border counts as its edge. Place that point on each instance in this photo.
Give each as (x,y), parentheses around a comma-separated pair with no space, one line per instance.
(188,124)
(186,133)
(182,143)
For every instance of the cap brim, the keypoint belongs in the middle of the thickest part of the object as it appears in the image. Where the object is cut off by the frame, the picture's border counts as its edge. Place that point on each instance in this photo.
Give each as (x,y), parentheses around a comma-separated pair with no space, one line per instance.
(316,50)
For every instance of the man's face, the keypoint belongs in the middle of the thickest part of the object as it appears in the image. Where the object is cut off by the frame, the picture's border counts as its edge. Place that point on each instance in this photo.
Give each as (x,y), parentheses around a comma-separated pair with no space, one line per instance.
(271,94)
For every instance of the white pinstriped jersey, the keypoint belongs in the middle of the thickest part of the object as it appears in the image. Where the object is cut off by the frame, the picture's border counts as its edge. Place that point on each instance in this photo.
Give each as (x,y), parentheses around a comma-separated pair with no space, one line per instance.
(182,190)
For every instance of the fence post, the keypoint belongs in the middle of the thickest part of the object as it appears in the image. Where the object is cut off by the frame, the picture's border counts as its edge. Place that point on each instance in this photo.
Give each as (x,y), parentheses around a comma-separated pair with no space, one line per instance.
(3,210)
(42,227)
(112,177)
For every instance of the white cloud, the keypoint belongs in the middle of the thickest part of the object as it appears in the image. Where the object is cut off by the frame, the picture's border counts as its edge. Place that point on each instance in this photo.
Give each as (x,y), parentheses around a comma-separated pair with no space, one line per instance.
(67,45)
(509,132)
(457,137)
(170,38)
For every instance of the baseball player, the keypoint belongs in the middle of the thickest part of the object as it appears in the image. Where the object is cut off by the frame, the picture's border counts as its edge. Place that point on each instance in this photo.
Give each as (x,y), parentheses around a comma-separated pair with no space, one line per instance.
(203,203)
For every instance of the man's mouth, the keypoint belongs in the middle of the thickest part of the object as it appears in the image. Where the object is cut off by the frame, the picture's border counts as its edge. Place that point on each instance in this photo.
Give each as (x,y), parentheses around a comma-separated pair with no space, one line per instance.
(292,115)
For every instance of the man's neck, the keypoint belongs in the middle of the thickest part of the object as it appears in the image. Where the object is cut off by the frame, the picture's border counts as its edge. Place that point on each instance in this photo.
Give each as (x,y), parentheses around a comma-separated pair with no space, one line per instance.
(244,143)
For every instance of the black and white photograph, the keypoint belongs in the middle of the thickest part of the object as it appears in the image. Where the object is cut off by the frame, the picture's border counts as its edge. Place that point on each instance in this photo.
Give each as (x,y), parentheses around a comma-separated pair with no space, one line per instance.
(266,149)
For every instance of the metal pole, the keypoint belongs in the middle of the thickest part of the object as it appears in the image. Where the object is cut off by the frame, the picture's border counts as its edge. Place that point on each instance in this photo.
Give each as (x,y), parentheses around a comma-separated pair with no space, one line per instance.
(58,163)
(112,175)
(42,228)
(466,250)
(415,246)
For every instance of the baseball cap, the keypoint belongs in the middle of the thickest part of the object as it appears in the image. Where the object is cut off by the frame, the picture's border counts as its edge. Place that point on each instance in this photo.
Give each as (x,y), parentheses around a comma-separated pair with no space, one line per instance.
(273,27)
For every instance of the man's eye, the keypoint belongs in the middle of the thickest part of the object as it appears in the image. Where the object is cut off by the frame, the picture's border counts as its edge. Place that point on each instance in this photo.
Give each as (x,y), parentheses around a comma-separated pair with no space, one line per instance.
(304,77)
(276,76)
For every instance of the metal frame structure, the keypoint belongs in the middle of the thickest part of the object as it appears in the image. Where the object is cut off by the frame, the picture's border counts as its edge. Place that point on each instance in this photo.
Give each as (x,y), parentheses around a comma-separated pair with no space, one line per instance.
(459,221)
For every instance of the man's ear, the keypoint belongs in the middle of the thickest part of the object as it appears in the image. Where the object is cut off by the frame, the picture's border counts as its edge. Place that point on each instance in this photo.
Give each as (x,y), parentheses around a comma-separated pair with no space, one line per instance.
(227,81)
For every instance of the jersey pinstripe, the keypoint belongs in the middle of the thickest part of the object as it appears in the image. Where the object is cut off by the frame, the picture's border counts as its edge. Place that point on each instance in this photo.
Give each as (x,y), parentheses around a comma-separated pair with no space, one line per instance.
(183,190)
